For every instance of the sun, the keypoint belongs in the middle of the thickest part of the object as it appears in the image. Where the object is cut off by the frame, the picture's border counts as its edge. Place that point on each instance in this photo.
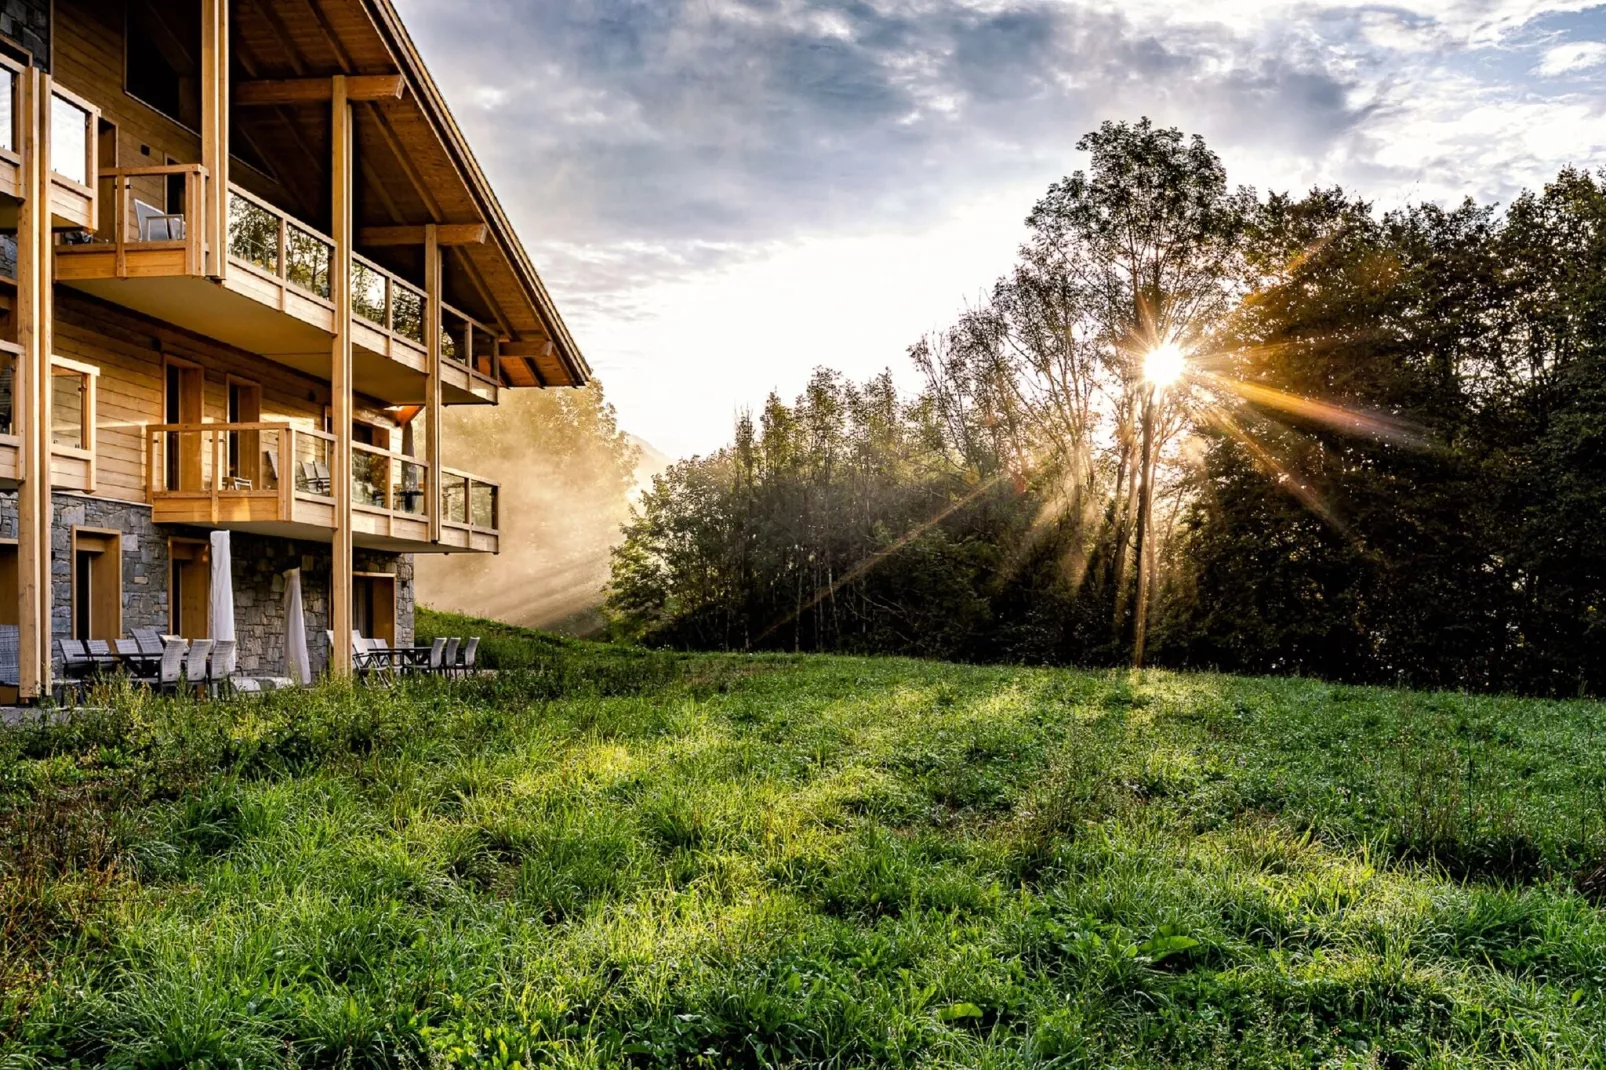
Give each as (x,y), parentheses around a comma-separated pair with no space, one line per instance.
(1164,364)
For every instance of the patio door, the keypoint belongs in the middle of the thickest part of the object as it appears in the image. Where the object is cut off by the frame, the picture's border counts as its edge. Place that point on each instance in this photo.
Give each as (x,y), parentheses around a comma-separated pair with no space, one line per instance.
(245,447)
(189,595)
(183,406)
(373,605)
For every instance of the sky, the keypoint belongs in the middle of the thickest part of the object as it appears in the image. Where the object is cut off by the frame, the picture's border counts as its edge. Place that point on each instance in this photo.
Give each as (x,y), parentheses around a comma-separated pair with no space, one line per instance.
(723,195)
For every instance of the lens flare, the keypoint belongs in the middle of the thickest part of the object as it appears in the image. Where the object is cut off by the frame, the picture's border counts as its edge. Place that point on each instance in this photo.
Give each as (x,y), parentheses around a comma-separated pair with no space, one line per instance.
(1164,364)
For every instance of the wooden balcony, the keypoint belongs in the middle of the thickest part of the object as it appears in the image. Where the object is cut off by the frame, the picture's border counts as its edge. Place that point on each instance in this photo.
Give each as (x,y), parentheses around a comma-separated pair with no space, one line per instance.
(275,299)
(389,499)
(266,478)
(72,124)
(271,478)
(471,513)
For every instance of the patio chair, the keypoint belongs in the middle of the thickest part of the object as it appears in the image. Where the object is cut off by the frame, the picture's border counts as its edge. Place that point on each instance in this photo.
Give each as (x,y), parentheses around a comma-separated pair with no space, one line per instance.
(195,666)
(170,674)
(360,661)
(315,476)
(437,656)
(470,650)
(449,659)
(220,680)
(76,664)
(150,642)
(100,652)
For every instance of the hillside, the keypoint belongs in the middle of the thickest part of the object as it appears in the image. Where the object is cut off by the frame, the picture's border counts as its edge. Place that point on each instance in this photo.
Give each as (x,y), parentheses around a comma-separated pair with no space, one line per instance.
(604,855)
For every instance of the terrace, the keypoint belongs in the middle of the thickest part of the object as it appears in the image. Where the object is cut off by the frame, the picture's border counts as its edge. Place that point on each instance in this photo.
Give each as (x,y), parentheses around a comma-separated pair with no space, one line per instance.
(276,297)
(275,478)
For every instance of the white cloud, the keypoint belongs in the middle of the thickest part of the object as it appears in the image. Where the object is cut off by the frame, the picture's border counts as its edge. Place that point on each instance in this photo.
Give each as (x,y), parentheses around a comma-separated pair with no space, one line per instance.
(1574,56)
(723,194)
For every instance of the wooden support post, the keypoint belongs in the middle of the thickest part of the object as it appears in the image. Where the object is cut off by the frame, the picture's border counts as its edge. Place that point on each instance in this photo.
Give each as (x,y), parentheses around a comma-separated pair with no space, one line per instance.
(432,387)
(35,313)
(340,614)
(215,133)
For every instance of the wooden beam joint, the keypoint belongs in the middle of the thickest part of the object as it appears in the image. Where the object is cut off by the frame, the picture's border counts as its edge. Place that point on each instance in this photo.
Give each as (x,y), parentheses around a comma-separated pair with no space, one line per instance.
(318,90)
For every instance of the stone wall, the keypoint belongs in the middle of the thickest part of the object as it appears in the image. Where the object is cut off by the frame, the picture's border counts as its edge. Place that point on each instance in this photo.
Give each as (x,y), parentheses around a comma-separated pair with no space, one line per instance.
(144,558)
(27,22)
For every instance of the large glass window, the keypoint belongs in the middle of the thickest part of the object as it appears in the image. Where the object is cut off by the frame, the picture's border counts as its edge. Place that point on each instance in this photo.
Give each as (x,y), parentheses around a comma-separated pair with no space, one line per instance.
(69,140)
(162,64)
(69,401)
(8,109)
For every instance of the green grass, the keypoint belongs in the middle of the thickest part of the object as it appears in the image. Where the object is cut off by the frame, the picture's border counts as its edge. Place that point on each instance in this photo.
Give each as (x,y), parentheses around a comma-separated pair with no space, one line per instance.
(604,856)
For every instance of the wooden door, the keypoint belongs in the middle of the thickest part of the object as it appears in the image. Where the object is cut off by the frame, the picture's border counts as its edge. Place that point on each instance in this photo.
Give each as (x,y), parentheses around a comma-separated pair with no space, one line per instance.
(189,588)
(185,452)
(245,447)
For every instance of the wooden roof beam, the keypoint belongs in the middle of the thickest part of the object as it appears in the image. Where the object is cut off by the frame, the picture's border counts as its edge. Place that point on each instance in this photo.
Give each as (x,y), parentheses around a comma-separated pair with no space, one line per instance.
(449,234)
(318,90)
(526,347)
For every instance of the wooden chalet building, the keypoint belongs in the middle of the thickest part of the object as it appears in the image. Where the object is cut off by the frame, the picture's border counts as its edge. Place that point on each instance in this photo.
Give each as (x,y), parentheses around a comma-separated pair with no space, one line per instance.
(246,256)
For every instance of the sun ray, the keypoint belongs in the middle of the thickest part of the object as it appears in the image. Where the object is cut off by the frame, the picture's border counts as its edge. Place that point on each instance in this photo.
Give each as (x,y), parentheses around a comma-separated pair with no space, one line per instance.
(1378,426)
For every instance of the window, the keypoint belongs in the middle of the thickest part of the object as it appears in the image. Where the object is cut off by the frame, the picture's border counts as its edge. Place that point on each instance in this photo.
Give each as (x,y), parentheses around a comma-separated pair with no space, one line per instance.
(163,61)
(72,404)
(69,140)
(8,110)
(97,584)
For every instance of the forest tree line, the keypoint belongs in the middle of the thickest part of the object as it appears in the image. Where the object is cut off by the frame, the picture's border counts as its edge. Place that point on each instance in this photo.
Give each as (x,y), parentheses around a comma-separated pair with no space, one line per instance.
(1386,463)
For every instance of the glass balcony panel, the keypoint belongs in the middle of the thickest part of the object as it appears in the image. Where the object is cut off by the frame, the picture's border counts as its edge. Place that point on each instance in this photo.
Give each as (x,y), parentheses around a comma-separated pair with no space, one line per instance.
(67,409)
(409,488)
(407,313)
(8,109)
(307,258)
(312,466)
(367,293)
(454,338)
(253,234)
(69,140)
(482,505)
(370,475)
(454,499)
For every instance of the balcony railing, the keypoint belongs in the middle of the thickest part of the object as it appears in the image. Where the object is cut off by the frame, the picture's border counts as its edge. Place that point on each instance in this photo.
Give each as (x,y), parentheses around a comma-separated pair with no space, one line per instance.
(72,137)
(468,342)
(265,238)
(388,481)
(134,214)
(239,458)
(384,301)
(470,502)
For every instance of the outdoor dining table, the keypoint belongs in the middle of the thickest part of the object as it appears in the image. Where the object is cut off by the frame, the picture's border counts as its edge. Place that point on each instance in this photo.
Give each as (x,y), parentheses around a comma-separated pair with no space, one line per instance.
(399,657)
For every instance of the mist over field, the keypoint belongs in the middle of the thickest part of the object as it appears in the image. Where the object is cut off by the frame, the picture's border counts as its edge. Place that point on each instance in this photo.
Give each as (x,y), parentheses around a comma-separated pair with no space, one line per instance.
(568,476)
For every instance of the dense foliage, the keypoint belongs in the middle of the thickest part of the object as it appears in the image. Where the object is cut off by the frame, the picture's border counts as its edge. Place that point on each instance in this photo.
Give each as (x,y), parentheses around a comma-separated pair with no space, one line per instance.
(1387,463)
(605,856)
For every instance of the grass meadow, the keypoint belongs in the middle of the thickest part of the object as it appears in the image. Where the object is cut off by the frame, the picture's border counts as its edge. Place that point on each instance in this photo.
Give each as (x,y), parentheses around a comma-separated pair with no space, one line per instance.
(602,856)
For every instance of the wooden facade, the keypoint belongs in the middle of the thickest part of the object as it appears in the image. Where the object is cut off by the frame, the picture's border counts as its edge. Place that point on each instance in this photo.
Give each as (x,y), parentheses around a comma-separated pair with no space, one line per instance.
(254,259)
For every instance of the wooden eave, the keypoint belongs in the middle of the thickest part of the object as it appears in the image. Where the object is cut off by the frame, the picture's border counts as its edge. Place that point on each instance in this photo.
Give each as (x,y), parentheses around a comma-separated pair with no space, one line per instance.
(414,166)
(566,366)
